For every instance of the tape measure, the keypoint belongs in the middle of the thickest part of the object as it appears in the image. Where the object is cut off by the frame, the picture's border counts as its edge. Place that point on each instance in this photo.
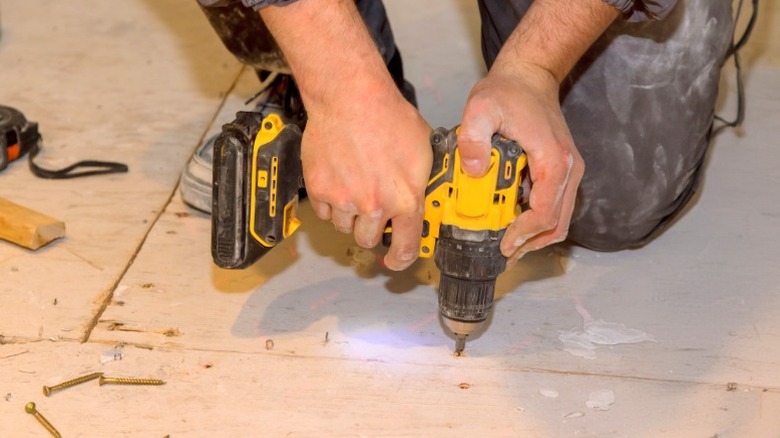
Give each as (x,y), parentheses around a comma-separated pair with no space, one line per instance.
(19,137)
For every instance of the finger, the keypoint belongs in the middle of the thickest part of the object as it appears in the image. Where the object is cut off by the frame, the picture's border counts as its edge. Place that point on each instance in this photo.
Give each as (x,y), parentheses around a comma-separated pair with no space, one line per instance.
(405,247)
(321,209)
(535,243)
(343,220)
(369,228)
(546,202)
(479,124)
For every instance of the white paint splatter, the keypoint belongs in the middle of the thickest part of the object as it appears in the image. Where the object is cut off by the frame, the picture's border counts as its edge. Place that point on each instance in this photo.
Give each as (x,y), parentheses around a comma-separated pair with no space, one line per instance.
(601,400)
(583,342)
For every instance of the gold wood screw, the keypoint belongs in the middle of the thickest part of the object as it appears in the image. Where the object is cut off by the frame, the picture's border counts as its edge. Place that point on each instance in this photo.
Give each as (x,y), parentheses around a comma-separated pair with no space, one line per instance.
(48,390)
(30,409)
(128,381)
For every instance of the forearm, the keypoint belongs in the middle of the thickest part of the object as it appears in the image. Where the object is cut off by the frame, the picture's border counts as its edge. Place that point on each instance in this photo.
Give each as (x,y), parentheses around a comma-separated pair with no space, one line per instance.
(554,34)
(329,50)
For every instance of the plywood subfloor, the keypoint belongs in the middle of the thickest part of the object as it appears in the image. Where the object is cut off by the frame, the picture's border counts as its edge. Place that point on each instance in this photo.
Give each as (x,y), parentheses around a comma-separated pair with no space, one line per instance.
(318,339)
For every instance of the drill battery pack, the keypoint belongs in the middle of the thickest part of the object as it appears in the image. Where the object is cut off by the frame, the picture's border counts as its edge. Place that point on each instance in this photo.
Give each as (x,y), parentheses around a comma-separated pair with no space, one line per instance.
(256,181)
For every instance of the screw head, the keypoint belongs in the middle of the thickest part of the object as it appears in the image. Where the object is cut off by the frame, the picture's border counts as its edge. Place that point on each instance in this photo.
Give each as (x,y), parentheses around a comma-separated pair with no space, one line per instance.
(30,408)
(46,390)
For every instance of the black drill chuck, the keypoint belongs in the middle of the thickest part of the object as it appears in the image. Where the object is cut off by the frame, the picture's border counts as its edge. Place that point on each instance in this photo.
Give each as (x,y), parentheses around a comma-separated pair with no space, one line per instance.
(470,262)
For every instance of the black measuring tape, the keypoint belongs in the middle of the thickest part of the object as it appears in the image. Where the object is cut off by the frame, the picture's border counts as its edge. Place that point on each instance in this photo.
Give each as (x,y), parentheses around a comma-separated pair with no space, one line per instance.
(19,137)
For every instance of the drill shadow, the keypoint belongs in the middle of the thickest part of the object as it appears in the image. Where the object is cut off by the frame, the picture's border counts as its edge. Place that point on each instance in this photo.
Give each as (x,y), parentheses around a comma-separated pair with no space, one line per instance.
(365,301)
(367,308)
(273,264)
(325,241)
(363,309)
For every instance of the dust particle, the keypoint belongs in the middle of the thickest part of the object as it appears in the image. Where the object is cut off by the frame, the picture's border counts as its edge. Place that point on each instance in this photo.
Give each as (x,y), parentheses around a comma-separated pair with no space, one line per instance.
(147,285)
(182,214)
(464,385)
(269,344)
(731,386)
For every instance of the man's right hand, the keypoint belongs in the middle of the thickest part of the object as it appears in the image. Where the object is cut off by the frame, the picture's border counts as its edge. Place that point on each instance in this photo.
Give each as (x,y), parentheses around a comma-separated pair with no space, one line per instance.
(366,153)
(366,160)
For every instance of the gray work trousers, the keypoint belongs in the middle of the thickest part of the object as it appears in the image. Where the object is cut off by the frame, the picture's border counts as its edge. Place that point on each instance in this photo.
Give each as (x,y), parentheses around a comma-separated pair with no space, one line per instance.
(640,106)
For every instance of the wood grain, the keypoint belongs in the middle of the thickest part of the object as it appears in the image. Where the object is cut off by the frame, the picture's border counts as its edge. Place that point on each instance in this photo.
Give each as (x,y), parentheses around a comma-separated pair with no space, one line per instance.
(26,227)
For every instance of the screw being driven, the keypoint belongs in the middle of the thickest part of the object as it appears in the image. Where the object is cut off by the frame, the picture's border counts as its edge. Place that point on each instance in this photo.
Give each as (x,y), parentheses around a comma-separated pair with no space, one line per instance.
(128,381)
(30,409)
(49,390)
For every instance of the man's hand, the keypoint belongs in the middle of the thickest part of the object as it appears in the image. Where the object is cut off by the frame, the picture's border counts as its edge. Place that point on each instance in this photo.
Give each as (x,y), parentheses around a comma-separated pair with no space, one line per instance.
(366,160)
(366,153)
(519,100)
(523,106)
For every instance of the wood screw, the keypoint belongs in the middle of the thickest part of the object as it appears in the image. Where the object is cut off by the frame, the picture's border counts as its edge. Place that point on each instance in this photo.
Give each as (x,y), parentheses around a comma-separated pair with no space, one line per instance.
(49,390)
(30,409)
(128,381)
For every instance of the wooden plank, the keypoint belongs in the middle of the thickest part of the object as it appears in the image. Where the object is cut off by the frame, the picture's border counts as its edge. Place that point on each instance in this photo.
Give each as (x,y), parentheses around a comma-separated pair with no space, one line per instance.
(231,394)
(137,83)
(28,228)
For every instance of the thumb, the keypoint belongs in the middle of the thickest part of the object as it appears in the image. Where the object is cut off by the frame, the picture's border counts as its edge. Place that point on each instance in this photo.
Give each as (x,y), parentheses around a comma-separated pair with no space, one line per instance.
(474,140)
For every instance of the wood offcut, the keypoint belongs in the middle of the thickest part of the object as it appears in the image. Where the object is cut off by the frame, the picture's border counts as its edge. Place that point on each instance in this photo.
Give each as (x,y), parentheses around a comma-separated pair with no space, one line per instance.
(28,228)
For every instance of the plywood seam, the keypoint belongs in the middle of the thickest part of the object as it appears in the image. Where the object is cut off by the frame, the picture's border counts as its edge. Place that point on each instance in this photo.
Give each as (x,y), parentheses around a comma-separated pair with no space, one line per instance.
(106,300)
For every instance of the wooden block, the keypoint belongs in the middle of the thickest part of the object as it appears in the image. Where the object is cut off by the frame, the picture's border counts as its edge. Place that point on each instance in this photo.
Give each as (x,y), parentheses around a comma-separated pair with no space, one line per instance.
(26,227)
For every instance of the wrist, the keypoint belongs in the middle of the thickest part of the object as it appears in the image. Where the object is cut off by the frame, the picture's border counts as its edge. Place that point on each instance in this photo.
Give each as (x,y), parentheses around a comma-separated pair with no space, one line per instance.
(537,76)
(349,89)
(554,34)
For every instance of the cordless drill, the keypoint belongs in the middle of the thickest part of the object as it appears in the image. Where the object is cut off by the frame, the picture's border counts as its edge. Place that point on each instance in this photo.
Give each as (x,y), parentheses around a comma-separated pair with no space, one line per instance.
(258,176)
